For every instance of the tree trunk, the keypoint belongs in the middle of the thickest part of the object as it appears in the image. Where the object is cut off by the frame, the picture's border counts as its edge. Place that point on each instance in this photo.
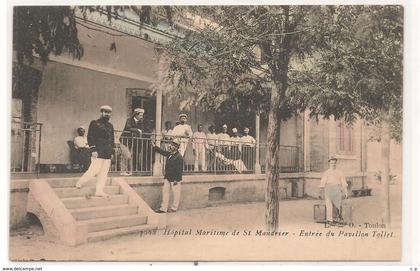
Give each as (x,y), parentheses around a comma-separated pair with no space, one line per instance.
(385,152)
(272,164)
(279,73)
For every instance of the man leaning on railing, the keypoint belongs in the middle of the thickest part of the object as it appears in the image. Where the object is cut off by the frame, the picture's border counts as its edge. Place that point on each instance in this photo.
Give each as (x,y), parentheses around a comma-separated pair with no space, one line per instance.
(131,147)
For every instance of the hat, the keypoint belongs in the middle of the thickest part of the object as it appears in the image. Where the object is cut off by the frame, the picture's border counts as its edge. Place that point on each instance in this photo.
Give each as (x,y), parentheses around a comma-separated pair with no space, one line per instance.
(332,158)
(176,142)
(234,130)
(224,126)
(246,129)
(138,110)
(182,115)
(105,108)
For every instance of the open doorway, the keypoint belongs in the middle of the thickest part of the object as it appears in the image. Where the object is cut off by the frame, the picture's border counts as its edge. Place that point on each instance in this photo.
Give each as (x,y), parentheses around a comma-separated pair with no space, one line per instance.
(136,98)
(149,106)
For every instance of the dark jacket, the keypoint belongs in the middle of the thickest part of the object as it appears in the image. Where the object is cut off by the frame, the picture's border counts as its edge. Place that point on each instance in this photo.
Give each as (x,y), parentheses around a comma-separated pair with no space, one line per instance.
(174,165)
(101,138)
(130,131)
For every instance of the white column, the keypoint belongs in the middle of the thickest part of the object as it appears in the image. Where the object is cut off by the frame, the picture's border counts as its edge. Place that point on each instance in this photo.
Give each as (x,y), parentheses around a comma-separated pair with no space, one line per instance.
(157,166)
(257,139)
(306,142)
(363,152)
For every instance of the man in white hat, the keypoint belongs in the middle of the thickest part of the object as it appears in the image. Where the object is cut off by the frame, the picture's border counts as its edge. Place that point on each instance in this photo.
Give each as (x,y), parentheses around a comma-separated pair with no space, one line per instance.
(211,146)
(132,142)
(247,139)
(184,132)
(236,148)
(223,141)
(173,176)
(248,149)
(101,141)
(199,142)
(333,186)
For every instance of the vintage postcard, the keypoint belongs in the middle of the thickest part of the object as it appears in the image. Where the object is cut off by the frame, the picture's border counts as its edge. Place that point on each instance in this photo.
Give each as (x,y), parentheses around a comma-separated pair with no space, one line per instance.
(206,133)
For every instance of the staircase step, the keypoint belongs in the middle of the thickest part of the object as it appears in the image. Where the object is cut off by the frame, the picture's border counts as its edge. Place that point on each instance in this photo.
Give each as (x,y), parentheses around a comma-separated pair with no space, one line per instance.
(109,223)
(71,192)
(82,202)
(108,234)
(71,182)
(65,182)
(104,211)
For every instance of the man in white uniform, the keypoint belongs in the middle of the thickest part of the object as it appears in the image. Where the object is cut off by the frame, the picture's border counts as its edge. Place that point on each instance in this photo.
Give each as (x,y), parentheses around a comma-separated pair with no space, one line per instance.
(236,146)
(183,132)
(101,140)
(199,148)
(248,149)
(224,141)
(211,146)
(333,186)
(246,139)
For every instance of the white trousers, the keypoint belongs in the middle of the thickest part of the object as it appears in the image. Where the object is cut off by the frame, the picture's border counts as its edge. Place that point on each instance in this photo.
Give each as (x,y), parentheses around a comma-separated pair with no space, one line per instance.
(166,192)
(333,197)
(329,208)
(200,157)
(99,167)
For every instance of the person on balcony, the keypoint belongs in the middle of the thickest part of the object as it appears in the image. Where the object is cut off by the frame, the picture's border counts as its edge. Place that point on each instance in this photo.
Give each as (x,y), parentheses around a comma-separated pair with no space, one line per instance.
(82,148)
(132,143)
(183,132)
(101,140)
(173,176)
(235,149)
(199,140)
(333,186)
(223,147)
(248,149)
(223,141)
(211,147)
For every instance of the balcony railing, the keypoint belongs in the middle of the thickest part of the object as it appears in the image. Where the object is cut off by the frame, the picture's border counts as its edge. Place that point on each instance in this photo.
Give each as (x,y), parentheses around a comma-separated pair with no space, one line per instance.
(135,154)
(25,147)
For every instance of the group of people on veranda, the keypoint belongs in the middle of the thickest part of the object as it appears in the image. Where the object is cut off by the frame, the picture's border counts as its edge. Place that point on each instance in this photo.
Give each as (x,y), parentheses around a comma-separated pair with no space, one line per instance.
(210,149)
(101,144)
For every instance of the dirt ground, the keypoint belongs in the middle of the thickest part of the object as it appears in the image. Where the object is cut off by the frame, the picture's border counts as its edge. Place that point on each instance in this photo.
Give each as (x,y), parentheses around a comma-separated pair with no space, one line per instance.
(236,232)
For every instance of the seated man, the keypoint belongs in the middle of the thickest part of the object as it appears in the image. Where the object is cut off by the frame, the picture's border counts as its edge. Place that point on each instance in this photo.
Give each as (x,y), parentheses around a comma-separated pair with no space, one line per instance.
(82,149)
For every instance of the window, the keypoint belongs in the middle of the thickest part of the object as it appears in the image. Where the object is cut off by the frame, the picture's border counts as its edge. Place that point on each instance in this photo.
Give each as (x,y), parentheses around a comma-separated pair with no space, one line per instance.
(344,138)
(217,193)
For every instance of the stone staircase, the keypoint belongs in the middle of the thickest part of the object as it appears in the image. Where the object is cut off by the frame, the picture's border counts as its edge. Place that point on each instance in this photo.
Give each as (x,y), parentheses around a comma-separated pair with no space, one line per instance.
(75,216)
